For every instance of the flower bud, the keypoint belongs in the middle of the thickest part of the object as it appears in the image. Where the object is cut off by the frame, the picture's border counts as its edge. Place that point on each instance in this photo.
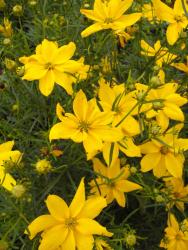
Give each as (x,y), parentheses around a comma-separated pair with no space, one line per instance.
(155,81)
(18,190)
(2,4)
(17,10)
(7,41)
(43,166)
(10,64)
(130,239)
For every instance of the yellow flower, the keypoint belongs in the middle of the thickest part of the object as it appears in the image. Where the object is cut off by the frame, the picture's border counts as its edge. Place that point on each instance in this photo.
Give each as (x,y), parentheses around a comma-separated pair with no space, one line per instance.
(108,14)
(164,154)
(161,54)
(123,37)
(164,103)
(69,227)
(89,125)
(52,65)
(112,182)
(101,244)
(174,16)
(6,30)
(177,192)
(176,236)
(8,155)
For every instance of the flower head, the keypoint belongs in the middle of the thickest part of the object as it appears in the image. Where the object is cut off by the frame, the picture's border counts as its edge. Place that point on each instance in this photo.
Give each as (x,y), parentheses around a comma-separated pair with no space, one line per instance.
(164,154)
(7,155)
(176,236)
(109,14)
(52,65)
(70,227)
(112,182)
(6,30)
(174,16)
(88,125)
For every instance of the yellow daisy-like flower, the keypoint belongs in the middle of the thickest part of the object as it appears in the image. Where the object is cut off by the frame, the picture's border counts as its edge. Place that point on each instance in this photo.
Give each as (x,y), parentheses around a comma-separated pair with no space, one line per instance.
(52,65)
(174,16)
(69,228)
(164,103)
(177,192)
(176,236)
(112,182)
(88,125)
(109,15)
(164,154)
(7,155)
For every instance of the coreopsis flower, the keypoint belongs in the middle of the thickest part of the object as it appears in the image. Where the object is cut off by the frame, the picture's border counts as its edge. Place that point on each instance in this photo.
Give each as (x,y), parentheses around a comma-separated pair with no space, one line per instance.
(176,18)
(101,244)
(161,54)
(181,66)
(177,192)
(112,182)
(123,37)
(88,125)
(109,14)
(164,103)
(6,29)
(176,236)
(164,154)
(70,227)
(52,65)
(8,156)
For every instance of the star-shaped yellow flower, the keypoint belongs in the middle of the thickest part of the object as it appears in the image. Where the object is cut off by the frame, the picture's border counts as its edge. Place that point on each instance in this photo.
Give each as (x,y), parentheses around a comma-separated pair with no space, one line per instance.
(109,14)
(69,228)
(52,65)
(112,182)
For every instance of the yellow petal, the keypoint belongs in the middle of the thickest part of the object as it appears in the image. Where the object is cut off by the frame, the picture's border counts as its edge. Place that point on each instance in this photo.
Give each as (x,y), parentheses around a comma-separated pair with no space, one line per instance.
(126,20)
(65,53)
(173,111)
(114,169)
(91,15)
(6,180)
(120,197)
(99,167)
(128,147)
(80,105)
(92,29)
(53,238)
(46,83)
(78,201)
(160,169)
(172,222)
(64,80)
(162,120)
(173,165)
(34,71)
(127,186)
(148,50)
(48,50)
(57,207)
(84,242)
(60,111)
(163,12)
(89,227)
(92,208)
(173,33)
(40,224)
(149,147)
(69,243)
(63,130)
(14,156)
(176,99)
(150,161)
(6,146)
(110,152)
(92,143)
(118,7)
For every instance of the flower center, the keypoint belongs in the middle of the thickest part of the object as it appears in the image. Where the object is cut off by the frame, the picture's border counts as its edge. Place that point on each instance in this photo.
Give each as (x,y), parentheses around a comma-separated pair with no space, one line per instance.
(83,127)
(164,150)
(178,236)
(108,20)
(178,18)
(48,66)
(70,223)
